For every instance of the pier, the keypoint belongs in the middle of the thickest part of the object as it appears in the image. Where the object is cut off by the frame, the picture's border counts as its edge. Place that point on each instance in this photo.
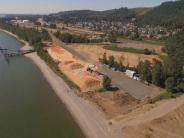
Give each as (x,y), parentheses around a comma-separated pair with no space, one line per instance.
(13,53)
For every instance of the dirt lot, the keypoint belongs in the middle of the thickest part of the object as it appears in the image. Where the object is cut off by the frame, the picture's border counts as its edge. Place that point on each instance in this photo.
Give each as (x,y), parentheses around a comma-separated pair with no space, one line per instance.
(96,51)
(168,126)
(113,104)
(75,69)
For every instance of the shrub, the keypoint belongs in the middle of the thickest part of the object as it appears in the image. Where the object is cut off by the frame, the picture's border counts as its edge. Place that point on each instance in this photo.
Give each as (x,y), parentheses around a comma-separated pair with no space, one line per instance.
(170,84)
(107,83)
(147,52)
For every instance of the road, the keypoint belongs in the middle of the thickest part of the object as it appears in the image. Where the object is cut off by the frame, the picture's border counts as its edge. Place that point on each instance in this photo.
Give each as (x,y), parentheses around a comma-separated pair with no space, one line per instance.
(63,45)
(135,88)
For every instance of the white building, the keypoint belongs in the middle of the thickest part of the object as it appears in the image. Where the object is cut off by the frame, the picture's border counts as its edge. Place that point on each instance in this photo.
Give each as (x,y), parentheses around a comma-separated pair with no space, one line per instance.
(130,73)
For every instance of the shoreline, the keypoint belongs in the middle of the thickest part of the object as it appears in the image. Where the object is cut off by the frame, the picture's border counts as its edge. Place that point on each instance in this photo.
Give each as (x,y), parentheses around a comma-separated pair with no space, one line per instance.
(16,37)
(90,120)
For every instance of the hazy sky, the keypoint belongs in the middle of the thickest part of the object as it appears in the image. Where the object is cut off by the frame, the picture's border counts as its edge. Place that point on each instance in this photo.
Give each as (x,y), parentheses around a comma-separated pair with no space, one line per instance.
(50,6)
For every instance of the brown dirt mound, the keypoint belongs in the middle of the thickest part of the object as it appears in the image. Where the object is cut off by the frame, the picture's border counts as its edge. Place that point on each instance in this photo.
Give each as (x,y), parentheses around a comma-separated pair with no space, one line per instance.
(68,62)
(76,66)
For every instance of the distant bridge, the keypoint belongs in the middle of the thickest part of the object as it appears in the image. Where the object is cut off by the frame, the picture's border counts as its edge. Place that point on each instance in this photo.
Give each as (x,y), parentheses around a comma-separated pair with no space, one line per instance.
(13,53)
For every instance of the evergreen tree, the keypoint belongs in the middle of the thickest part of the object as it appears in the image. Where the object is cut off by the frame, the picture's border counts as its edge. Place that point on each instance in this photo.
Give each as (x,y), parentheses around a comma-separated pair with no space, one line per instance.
(170,84)
(111,61)
(158,73)
(104,59)
(145,72)
(107,83)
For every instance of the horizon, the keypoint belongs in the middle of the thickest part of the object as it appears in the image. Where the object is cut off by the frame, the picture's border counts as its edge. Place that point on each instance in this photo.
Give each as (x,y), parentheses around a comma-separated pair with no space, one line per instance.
(54,6)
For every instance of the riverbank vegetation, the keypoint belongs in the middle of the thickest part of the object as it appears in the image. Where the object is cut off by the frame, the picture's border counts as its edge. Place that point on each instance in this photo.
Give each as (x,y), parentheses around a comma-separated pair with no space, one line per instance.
(35,38)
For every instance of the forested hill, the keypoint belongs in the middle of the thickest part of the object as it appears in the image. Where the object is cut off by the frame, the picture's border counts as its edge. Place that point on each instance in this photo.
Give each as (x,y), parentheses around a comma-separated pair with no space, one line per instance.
(168,13)
(122,14)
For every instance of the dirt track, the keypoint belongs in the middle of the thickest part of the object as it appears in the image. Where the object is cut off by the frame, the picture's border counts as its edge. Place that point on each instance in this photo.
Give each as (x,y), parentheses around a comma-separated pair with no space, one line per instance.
(165,120)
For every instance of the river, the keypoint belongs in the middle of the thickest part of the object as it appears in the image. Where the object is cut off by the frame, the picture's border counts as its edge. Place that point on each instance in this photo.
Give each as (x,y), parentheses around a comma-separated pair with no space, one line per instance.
(29,107)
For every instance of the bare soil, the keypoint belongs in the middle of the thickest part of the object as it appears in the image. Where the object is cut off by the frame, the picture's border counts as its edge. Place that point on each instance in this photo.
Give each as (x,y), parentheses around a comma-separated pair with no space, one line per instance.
(113,104)
(75,69)
(168,126)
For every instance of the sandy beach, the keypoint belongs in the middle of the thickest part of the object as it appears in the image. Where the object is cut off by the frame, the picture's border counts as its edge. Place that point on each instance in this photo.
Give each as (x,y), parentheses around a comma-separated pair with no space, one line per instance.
(89,118)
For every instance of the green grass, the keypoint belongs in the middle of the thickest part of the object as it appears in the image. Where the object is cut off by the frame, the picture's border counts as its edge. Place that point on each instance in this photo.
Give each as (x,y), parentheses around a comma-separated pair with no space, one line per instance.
(165,95)
(154,42)
(123,49)
(163,56)
(144,40)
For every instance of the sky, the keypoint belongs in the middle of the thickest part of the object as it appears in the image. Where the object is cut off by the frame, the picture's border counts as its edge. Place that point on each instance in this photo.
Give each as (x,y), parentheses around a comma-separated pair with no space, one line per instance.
(52,6)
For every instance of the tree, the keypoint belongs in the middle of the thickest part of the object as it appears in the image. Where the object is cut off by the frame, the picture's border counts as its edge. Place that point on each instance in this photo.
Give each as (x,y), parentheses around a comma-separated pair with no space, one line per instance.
(112,38)
(147,52)
(170,84)
(53,26)
(175,62)
(121,67)
(104,59)
(111,61)
(140,66)
(158,73)
(145,72)
(38,24)
(107,83)
(116,65)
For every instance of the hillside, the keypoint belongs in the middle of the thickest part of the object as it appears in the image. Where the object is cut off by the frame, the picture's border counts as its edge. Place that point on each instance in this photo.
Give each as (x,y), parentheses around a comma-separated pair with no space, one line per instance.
(141,11)
(122,14)
(168,14)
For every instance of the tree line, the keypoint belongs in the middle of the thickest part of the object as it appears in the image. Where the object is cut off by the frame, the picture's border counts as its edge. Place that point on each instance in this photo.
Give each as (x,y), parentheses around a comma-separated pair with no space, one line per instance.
(121,14)
(71,38)
(33,36)
(168,73)
(35,39)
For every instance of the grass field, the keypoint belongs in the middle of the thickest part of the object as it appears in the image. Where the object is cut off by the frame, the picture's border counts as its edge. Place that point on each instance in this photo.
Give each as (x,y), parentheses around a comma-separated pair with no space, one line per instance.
(123,49)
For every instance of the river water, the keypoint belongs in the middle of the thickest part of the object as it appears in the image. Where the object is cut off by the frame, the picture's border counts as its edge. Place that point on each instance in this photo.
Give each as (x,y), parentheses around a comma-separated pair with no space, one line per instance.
(29,107)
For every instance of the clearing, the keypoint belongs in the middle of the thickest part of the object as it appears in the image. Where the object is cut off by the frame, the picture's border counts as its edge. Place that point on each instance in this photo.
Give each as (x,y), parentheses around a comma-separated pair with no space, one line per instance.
(113,104)
(95,52)
(139,45)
